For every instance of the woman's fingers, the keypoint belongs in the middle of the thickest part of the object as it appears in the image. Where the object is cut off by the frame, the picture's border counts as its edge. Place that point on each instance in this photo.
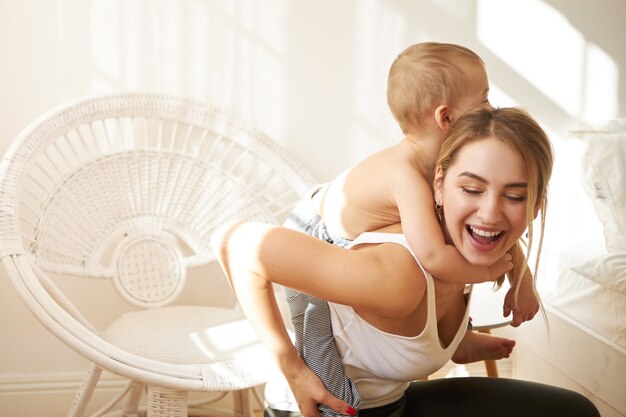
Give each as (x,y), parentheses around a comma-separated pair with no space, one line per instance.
(309,392)
(337,404)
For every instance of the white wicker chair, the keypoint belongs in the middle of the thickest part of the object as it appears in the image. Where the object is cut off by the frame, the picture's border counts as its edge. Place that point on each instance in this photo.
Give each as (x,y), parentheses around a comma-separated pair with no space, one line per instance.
(129,188)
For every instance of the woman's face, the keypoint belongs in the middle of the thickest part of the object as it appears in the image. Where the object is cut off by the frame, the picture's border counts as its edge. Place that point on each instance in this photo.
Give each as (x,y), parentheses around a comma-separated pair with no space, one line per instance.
(484,199)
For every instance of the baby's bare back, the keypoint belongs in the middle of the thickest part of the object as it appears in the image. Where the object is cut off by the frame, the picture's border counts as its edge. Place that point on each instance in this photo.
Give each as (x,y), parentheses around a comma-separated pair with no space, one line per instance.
(361,199)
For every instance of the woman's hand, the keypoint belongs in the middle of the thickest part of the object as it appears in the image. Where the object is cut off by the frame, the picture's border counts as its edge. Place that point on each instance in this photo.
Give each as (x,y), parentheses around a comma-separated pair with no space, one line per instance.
(309,391)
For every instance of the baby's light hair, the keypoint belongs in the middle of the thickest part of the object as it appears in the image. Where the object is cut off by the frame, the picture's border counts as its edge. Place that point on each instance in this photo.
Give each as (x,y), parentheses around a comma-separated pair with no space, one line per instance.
(424,76)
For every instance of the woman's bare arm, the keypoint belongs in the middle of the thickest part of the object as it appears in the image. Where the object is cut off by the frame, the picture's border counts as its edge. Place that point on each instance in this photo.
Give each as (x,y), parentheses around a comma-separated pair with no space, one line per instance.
(358,278)
(248,255)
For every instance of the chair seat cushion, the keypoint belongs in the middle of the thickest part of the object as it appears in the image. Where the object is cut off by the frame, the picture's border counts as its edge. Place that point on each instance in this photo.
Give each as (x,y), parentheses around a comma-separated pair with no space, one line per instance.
(187,335)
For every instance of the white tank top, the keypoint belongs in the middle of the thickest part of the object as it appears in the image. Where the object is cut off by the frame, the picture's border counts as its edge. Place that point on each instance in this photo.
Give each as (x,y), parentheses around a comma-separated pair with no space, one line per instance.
(380,364)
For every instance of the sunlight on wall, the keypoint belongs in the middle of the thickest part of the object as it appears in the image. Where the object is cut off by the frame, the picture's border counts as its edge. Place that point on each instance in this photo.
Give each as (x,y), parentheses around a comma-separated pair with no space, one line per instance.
(498,98)
(601,86)
(132,32)
(199,72)
(60,21)
(561,65)
(170,45)
(226,53)
(462,10)
(376,29)
(560,53)
(247,68)
(105,39)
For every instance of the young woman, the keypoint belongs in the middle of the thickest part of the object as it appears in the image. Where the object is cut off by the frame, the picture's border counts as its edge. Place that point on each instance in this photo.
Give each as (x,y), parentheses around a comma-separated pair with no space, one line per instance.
(393,323)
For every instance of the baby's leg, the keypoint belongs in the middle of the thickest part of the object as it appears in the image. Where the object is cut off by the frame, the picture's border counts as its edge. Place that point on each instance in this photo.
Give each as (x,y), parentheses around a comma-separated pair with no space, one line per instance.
(316,344)
(479,347)
(310,316)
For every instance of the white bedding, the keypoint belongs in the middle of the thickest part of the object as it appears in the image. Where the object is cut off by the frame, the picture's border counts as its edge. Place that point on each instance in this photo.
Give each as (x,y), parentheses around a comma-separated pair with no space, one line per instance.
(596,308)
(585,346)
(575,234)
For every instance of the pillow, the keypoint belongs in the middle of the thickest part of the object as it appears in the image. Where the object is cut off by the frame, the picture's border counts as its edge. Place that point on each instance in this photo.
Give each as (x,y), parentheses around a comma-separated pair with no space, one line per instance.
(605,173)
(607,270)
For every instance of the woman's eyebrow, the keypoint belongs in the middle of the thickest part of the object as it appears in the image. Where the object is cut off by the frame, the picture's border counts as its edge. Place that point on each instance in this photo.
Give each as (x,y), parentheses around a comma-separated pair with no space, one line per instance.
(484,180)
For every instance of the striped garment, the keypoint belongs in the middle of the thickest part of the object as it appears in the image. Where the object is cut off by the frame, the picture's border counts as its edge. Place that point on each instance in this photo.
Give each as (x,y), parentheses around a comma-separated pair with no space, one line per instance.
(311,319)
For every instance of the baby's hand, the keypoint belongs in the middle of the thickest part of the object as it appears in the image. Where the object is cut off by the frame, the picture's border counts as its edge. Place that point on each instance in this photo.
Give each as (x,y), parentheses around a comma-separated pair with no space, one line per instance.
(502,265)
(526,305)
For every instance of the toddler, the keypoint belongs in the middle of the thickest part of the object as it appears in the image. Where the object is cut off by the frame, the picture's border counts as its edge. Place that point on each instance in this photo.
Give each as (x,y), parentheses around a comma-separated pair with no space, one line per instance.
(430,85)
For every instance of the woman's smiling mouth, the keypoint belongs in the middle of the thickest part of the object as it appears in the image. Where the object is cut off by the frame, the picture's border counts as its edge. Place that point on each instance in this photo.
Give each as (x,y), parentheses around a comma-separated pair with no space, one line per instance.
(485,239)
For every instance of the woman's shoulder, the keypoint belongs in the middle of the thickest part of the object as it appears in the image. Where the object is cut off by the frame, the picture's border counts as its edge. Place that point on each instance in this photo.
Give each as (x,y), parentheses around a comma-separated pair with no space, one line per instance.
(401,277)
(395,256)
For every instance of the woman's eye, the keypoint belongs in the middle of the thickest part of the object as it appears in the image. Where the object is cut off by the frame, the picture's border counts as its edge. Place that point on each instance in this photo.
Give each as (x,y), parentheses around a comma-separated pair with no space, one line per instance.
(471,191)
(515,198)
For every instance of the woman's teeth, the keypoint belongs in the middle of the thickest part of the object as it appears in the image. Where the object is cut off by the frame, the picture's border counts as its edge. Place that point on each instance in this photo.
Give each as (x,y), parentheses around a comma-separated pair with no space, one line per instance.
(483,233)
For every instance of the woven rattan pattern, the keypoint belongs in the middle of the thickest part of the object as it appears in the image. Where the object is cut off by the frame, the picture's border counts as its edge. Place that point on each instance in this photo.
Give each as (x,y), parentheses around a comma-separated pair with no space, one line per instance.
(130,188)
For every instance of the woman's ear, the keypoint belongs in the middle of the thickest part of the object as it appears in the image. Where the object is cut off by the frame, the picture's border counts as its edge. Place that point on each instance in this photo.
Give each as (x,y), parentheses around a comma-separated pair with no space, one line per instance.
(442,117)
(438,185)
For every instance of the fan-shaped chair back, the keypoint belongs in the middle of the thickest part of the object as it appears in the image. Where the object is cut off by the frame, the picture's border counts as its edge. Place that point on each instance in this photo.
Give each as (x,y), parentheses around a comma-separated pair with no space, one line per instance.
(130,188)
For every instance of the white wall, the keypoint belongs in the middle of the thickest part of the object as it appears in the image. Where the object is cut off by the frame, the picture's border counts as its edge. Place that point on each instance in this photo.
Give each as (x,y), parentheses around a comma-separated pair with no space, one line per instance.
(311,74)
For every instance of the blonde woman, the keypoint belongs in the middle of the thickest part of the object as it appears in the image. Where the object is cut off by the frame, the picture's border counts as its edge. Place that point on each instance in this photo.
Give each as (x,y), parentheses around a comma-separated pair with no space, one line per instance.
(393,322)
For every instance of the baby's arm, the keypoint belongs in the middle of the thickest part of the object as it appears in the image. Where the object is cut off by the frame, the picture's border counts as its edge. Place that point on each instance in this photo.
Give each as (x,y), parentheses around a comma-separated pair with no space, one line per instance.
(526,304)
(415,203)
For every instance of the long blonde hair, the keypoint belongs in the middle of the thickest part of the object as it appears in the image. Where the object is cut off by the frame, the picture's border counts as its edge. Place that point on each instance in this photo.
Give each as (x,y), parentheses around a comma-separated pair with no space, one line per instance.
(424,76)
(518,129)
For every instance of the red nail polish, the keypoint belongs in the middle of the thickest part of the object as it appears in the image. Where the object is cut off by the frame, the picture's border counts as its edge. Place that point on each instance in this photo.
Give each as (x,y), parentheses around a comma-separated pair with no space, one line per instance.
(352,411)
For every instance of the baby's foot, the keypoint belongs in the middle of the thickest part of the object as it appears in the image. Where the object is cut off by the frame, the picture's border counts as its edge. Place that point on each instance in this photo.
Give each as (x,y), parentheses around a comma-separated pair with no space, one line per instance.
(480,346)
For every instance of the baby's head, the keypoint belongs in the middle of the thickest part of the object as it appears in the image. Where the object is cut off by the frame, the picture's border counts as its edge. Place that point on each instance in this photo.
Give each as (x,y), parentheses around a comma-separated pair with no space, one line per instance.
(428,75)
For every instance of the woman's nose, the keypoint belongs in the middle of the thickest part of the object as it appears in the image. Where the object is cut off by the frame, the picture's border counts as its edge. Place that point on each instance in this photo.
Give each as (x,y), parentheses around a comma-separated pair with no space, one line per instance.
(489,211)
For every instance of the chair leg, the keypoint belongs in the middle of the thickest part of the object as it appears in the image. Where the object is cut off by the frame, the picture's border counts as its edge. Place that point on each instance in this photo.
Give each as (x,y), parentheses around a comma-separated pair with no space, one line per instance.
(241,403)
(163,402)
(84,392)
(258,396)
(131,407)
